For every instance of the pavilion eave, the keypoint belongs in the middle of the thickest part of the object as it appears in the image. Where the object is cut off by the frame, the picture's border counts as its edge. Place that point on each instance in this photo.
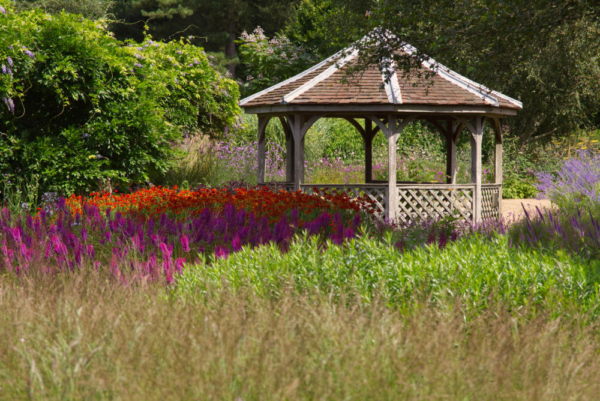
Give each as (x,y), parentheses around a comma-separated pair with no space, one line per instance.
(354,109)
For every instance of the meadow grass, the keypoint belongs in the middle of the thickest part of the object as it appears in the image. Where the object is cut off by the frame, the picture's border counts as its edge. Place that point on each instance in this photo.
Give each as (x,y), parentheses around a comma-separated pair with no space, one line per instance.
(476,270)
(83,336)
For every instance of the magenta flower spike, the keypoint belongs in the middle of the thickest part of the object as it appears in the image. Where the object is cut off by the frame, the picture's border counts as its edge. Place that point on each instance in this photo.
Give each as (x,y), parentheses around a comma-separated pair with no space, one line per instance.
(185,243)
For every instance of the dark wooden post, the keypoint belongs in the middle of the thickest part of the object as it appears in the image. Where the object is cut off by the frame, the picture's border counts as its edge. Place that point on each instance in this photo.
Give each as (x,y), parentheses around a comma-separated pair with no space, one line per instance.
(498,171)
(476,128)
(262,127)
(451,138)
(289,150)
(368,140)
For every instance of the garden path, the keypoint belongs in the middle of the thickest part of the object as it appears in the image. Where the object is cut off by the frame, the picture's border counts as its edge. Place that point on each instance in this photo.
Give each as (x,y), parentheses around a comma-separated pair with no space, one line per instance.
(513,208)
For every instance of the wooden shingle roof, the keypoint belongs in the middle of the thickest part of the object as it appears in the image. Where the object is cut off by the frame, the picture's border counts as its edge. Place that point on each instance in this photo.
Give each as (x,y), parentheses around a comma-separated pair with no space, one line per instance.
(328,84)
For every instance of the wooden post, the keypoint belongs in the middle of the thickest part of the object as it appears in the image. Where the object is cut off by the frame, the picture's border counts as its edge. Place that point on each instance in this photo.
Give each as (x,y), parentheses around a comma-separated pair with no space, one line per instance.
(392,201)
(476,128)
(262,127)
(451,164)
(289,150)
(368,139)
(498,173)
(297,124)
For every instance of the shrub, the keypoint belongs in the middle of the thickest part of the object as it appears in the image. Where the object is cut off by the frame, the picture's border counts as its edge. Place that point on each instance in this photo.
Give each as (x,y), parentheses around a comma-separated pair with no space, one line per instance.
(515,188)
(81,107)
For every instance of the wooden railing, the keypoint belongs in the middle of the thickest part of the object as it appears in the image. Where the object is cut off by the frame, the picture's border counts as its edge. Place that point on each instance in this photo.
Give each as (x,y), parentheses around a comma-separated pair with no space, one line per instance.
(375,192)
(491,205)
(434,201)
(423,201)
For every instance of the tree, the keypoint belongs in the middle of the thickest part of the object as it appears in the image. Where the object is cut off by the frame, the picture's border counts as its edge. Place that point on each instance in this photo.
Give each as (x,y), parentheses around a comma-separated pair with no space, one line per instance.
(543,52)
(79,106)
(216,24)
(92,9)
(327,26)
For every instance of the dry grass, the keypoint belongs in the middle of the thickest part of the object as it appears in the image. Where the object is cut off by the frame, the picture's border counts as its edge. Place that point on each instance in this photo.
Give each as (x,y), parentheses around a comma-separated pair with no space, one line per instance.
(87,337)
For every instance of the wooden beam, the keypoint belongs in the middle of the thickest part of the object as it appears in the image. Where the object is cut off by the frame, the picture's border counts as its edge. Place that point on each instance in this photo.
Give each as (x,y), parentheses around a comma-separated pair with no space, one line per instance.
(262,128)
(451,164)
(392,201)
(298,123)
(368,141)
(289,149)
(351,110)
(498,169)
(476,128)
(356,125)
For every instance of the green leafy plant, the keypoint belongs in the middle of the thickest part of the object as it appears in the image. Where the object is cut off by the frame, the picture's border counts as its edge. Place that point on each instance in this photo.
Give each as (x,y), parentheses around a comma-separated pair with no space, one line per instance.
(80,107)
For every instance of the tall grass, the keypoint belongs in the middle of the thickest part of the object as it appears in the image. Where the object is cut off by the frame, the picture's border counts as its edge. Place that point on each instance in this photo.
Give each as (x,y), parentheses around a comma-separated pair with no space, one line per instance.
(82,337)
(476,270)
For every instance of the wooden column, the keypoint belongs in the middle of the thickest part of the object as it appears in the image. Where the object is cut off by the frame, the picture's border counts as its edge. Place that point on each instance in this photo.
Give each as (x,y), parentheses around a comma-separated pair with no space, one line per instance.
(298,173)
(262,127)
(451,165)
(289,150)
(368,139)
(392,201)
(498,172)
(476,128)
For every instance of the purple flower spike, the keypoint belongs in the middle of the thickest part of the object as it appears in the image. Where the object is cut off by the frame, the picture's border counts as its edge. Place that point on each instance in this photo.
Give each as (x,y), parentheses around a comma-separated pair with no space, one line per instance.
(236,243)
(185,243)
(2,10)
(221,252)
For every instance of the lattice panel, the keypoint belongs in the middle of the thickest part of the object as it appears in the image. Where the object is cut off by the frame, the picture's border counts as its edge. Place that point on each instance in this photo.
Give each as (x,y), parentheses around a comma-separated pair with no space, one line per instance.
(434,203)
(376,194)
(490,203)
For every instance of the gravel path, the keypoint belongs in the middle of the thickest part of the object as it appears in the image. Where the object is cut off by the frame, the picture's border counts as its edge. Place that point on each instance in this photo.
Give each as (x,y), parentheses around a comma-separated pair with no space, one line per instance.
(513,208)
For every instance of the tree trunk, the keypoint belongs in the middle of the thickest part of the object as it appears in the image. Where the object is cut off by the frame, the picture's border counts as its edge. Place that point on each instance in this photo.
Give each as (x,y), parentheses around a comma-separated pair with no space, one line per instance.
(230,51)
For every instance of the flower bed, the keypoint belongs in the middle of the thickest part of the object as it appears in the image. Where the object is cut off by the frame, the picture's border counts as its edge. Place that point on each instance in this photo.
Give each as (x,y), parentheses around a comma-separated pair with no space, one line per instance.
(150,234)
(262,202)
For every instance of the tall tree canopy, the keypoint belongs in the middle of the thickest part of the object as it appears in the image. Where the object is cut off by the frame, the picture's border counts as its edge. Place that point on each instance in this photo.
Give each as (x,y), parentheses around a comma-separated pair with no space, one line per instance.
(543,52)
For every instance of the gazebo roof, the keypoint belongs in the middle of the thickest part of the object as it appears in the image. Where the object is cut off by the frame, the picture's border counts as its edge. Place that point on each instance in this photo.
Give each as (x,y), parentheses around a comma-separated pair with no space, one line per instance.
(323,86)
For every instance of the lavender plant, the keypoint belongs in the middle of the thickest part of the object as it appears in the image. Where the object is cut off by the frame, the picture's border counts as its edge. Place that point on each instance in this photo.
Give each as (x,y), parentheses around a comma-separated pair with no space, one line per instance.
(576,184)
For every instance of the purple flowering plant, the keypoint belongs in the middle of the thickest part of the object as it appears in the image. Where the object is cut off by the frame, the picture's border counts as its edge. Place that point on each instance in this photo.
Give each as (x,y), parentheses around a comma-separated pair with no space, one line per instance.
(575,185)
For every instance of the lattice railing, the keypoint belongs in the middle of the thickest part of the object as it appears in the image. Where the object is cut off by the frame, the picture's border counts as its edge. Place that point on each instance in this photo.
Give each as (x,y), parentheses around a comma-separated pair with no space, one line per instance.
(490,201)
(434,202)
(377,193)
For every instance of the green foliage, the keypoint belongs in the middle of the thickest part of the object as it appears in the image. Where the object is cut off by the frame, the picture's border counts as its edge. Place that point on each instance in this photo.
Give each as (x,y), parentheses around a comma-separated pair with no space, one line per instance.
(269,61)
(81,107)
(514,188)
(326,26)
(543,53)
(20,194)
(477,271)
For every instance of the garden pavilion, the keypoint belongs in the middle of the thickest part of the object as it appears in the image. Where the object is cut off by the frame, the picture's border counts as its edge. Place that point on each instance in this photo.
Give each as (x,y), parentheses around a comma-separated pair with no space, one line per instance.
(449,101)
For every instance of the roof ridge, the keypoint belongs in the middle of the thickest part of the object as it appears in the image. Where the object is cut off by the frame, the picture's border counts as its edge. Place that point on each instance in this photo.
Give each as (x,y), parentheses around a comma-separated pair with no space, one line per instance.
(392,85)
(292,79)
